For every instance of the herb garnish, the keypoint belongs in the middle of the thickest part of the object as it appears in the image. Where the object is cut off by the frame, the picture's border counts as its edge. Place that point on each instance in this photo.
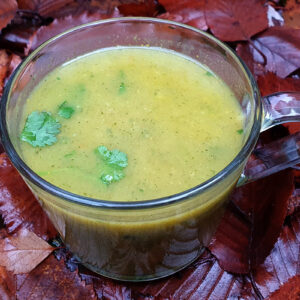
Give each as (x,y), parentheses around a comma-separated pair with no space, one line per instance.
(115,162)
(65,110)
(40,129)
(240,131)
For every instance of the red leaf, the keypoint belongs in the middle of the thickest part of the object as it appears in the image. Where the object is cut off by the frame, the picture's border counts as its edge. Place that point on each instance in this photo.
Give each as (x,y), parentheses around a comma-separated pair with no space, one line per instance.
(4,62)
(243,240)
(185,11)
(59,25)
(275,50)
(236,20)
(291,14)
(52,280)
(8,62)
(205,279)
(22,252)
(18,207)
(270,83)
(7,285)
(8,9)
(289,291)
(284,261)
(147,8)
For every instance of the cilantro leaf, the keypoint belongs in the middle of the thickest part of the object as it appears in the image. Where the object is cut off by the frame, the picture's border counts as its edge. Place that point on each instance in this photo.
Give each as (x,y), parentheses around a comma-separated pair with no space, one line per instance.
(240,131)
(110,177)
(40,129)
(65,111)
(115,161)
(114,158)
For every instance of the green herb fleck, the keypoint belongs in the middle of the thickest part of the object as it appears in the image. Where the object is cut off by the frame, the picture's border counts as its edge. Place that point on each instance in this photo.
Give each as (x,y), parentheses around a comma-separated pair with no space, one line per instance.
(240,131)
(115,162)
(209,73)
(65,110)
(122,88)
(57,78)
(40,129)
(68,155)
(110,177)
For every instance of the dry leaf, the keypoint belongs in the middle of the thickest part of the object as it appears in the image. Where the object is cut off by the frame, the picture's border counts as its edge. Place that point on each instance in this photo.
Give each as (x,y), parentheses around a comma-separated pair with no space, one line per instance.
(275,50)
(147,8)
(51,280)
(18,207)
(8,9)
(251,226)
(7,285)
(236,20)
(186,11)
(59,25)
(289,291)
(283,263)
(291,14)
(270,83)
(22,252)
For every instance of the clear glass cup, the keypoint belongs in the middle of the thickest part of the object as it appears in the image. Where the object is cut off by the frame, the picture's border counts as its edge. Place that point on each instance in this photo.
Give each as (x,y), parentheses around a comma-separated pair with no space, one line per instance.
(150,239)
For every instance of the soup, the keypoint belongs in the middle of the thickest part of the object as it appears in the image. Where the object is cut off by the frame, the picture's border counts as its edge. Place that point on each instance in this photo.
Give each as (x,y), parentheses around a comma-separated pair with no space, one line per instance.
(172,122)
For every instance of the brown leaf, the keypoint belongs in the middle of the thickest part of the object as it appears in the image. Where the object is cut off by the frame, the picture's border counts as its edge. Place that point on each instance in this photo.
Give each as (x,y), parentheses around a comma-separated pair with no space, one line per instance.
(51,280)
(7,285)
(8,9)
(186,11)
(236,20)
(270,83)
(291,14)
(22,252)
(284,261)
(275,50)
(147,8)
(4,62)
(289,291)
(8,63)
(60,25)
(18,207)
(251,226)
(205,279)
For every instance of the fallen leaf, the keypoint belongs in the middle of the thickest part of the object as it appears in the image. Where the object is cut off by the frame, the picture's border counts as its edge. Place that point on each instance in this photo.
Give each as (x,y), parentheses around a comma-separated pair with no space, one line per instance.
(147,8)
(7,285)
(8,9)
(204,279)
(4,62)
(52,280)
(275,50)
(186,11)
(59,25)
(274,17)
(18,207)
(283,263)
(8,63)
(291,14)
(270,83)
(289,291)
(252,224)
(106,288)
(236,20)
(22,252)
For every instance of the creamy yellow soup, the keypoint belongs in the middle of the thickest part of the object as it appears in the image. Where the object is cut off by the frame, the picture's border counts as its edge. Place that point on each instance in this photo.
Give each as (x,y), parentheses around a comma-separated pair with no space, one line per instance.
(176,123)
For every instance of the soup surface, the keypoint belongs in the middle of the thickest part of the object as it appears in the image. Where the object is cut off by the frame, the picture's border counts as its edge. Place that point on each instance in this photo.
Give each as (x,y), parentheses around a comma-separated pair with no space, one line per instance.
(128,124)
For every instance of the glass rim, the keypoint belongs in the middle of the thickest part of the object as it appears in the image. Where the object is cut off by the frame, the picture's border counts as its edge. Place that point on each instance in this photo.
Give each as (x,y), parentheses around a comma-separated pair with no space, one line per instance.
(129,205)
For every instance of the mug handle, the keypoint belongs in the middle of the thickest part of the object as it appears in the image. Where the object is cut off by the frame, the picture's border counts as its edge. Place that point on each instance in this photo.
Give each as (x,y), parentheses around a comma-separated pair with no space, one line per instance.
(277,108)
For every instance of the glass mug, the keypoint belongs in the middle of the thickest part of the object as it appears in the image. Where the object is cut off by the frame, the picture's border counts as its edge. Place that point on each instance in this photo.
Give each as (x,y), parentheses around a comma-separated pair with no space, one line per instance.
(144,240)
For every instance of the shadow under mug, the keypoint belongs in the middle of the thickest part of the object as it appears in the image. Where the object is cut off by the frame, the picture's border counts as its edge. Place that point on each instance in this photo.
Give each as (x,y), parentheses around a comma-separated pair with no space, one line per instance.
(149,239)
